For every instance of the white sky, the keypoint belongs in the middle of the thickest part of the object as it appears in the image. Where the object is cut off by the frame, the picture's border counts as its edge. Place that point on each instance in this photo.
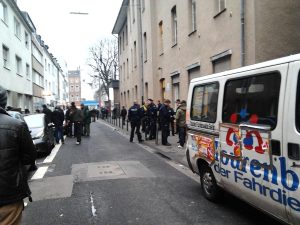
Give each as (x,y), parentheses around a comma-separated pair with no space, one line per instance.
(70,36)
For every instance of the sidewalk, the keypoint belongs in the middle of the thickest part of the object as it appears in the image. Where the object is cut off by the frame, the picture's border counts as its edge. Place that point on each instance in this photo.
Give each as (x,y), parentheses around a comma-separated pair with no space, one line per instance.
(172,152)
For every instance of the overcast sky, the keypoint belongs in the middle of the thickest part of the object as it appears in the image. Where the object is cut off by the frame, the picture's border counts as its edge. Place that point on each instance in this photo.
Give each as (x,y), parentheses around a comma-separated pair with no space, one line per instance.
(70,36)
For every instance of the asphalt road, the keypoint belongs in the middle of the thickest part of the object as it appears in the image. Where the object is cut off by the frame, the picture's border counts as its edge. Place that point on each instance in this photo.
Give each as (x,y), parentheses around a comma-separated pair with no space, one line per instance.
(107,180)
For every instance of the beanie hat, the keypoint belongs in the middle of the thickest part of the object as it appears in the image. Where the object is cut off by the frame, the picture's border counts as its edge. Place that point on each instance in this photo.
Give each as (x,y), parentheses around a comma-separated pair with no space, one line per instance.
(3,97)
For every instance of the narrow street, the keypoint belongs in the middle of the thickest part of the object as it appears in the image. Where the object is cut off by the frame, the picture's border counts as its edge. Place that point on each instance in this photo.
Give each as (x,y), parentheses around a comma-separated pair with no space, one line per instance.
(107,180)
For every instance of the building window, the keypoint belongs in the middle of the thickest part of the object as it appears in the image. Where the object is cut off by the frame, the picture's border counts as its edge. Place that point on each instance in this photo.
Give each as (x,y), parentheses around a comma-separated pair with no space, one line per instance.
(27,71)
(124,71)
(77,98)
(49,68)
(176,87)
(72,88)
(123,40)
(174,25)
(26,40)
(133,10)
(3,12)
(76,88)
(135,55)
(222,64)
(18,65)
(193,73)
(220,5)
(45,65)
(120,45)
(192,14)
(5,52)
(145,47)
(161,37)
(127,68)
(143,5)
(126,34)
(17,28)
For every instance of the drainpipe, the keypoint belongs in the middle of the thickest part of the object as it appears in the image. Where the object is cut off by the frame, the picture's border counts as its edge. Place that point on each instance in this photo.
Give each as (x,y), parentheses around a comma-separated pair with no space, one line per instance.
(141,49)
(243,53)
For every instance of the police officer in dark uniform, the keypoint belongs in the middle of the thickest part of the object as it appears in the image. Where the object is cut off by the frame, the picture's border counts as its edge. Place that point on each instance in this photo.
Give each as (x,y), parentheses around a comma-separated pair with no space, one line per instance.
(172,120)
(152,116)
(164,116)
(135,116)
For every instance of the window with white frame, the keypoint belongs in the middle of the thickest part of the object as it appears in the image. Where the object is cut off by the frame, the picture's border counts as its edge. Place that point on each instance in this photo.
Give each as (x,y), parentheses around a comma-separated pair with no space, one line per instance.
(17,28)
(76,88)
(135,54)
(192,9)
(133,10)
(26,39)
(161,37)
(18,65)
(5,53)
(220,5)
(145,46)
(3,12)
(27,71)
(174,25)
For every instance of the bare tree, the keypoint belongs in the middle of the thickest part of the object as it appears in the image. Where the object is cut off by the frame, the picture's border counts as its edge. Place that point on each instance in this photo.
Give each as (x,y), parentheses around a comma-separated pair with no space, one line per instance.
(103,61)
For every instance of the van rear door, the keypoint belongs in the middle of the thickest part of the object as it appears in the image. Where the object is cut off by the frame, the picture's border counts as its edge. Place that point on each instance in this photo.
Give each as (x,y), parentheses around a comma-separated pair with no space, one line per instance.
(255,98)
(290,168)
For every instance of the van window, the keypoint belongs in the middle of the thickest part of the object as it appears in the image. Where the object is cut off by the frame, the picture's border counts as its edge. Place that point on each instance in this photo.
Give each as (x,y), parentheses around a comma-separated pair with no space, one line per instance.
(298,104)
(204,103)
(252,99)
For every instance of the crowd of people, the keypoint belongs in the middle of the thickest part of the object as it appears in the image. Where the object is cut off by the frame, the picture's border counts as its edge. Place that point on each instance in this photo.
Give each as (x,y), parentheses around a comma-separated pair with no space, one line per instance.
(150,118)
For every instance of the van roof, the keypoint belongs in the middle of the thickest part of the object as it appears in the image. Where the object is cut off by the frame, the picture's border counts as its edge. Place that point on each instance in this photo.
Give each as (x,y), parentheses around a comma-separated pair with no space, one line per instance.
(273,62)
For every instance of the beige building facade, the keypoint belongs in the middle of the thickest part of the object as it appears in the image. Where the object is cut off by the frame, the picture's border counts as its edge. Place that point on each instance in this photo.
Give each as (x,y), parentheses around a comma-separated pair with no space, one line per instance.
(165,44)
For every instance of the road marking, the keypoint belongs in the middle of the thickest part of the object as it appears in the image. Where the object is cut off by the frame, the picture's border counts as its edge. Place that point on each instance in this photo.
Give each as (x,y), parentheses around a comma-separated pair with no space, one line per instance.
(40,173)
(53,153)
(92,205)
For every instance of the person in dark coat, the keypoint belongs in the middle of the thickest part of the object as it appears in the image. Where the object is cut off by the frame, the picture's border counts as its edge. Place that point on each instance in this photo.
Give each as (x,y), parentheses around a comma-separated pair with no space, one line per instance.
(16,151)
(58,118)
(134,117)
(48,114)
(152,116)
(123,114)
(69,122)
(77,117)
(164,116)
(87,119)
(172,120)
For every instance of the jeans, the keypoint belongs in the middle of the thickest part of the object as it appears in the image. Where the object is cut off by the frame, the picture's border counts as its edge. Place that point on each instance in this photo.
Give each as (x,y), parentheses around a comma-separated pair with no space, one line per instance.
(86,129)
(59,134)
(182,135)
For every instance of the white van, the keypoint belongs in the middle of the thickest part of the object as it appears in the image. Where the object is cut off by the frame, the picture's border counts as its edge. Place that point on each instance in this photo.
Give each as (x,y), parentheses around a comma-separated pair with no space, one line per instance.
(244,135)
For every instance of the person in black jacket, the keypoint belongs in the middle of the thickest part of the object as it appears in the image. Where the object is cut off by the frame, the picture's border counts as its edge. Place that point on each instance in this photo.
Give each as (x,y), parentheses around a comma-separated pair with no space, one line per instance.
(134,117)
(58,118)
(48,114)
(164,117)
(152,117)
(123,114)
(16,151)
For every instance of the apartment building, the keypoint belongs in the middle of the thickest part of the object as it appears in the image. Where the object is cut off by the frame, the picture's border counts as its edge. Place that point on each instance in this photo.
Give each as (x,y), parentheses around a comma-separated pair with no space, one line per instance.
(15,68)
(75,86)
(165,44)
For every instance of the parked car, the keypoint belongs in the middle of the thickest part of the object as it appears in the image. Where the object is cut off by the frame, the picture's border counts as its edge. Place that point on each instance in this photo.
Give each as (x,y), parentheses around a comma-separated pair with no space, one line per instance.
(42,134)
(16,115)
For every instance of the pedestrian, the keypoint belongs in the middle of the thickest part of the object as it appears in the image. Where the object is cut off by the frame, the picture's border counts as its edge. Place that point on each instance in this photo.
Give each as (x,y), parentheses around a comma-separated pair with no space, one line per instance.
(16,151)
(158,105)
(172,120)
(164,116)
(77,117)
(152,116)
(144,120)
(177,105)
(48,114)
(27,111)
(58,118)
(87,119)
(93,114)
(181,122)
(69,122)
(123,114)
(134,117)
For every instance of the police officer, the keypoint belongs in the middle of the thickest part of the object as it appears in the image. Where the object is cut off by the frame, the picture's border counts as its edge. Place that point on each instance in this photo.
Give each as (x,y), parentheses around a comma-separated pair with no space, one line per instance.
(164,116)
(134,116)
(152,116)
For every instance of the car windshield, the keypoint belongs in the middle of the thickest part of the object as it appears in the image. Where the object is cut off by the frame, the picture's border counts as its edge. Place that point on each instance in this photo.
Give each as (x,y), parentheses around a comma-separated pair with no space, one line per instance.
(35,121)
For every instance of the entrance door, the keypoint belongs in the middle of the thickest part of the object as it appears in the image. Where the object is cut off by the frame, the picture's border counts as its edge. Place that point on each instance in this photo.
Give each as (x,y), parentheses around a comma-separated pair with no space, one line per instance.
(290,168)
